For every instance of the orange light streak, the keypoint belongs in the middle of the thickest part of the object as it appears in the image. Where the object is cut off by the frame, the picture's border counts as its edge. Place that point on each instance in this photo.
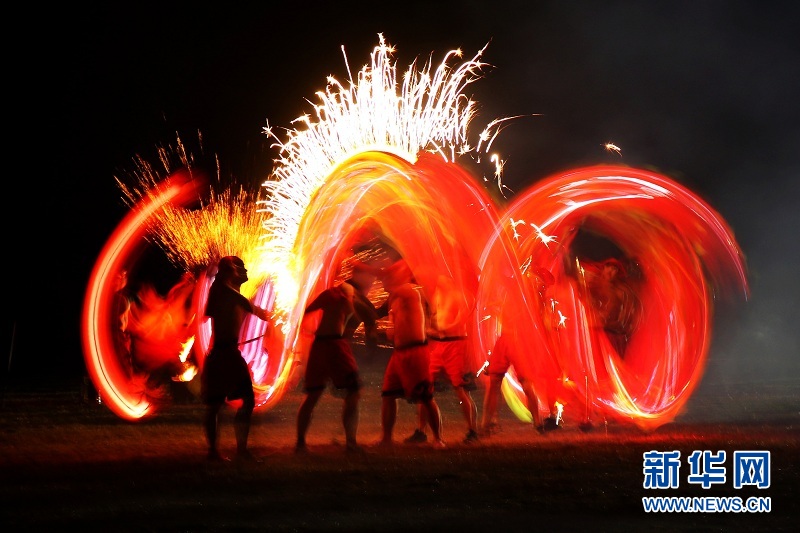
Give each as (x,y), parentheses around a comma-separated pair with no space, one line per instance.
(114,384)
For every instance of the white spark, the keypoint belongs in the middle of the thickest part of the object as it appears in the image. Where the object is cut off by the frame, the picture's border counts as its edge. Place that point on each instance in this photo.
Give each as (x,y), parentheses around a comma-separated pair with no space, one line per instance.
(611,147)
(542,236)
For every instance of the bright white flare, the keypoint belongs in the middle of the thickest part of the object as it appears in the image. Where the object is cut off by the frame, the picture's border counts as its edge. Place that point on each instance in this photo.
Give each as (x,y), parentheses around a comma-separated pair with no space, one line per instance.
(430,112)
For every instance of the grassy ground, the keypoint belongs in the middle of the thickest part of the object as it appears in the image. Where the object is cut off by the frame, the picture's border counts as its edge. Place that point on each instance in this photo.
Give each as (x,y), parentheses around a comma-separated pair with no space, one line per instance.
(69,463)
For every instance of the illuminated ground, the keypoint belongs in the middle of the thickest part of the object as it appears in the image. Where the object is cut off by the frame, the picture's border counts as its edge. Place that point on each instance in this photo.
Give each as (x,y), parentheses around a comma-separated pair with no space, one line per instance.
(66,462)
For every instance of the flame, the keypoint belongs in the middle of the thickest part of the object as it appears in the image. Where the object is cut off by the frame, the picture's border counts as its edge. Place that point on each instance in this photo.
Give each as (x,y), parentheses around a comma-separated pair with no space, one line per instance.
(186,349)
(120,390)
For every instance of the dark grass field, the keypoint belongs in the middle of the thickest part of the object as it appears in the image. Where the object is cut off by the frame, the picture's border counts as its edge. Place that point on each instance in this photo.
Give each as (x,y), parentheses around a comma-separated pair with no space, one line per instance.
(67,462)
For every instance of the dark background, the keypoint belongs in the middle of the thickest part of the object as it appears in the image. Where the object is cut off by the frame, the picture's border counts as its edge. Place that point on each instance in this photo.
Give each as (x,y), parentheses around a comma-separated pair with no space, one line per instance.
(704,92)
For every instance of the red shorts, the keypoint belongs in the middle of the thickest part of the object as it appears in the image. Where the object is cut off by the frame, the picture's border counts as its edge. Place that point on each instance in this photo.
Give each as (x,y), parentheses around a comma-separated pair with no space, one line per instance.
(504,356)
(331,358)
(408,374)
(450,357)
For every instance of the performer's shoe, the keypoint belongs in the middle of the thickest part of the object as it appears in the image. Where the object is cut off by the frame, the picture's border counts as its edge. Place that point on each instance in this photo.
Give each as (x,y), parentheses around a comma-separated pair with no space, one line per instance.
(472,437)
(491,429)
(246,457)
(551,423)
(215,457)
(355,450)
(383,445)
(417,437)
(301,449)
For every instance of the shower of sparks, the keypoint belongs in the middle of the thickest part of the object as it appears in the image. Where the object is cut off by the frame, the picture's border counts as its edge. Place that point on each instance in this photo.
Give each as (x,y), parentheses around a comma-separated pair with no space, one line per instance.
(145,177)
(429,112)
(227,225)
(193,238)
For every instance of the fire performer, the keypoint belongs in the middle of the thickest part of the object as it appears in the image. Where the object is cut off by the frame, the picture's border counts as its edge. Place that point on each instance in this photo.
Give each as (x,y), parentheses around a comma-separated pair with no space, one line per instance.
(613,300)
(226,375)
(505,354)
(408,374)
(450,354)
(344,307)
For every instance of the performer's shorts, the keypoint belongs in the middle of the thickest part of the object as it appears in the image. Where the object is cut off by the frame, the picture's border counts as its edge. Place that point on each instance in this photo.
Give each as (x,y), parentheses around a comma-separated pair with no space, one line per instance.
(408,374)
(331,359)
(503,357)
(450,357)
(225,377)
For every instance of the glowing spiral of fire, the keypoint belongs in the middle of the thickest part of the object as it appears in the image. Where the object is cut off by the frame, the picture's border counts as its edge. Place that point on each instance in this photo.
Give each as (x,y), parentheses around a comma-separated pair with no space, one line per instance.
(681,254)
(122,391)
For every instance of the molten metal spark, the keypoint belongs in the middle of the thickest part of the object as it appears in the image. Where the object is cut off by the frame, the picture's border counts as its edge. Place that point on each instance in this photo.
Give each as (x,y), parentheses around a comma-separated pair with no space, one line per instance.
(482,369)
(611,147)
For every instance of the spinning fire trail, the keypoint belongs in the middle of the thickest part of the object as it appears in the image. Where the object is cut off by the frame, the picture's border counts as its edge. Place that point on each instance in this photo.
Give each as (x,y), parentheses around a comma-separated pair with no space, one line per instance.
(380,154)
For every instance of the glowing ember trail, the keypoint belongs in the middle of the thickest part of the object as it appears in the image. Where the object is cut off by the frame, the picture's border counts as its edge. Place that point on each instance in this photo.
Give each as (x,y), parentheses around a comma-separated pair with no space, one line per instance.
(122,390)
(636,262)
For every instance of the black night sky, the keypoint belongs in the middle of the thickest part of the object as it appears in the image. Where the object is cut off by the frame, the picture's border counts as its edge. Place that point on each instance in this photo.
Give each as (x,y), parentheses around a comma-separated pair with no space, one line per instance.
(704,92)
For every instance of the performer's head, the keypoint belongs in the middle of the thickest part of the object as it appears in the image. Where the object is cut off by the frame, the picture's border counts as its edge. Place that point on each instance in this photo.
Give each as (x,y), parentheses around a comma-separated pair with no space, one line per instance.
(363,276)
(397,274)
(231,268)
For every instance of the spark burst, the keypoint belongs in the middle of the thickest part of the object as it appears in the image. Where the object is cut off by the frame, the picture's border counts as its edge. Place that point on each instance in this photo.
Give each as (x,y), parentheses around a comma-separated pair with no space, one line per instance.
(429,112)
(227,225)
(193,238)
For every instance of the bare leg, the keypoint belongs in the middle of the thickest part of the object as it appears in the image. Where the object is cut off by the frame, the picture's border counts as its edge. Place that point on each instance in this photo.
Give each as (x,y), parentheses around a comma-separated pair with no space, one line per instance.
(350,418)
(490,400)
(211,427)
(388,418)
(419,435)
(434,419)
(422,418)
(304,417)
(241,423)
(468,408)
